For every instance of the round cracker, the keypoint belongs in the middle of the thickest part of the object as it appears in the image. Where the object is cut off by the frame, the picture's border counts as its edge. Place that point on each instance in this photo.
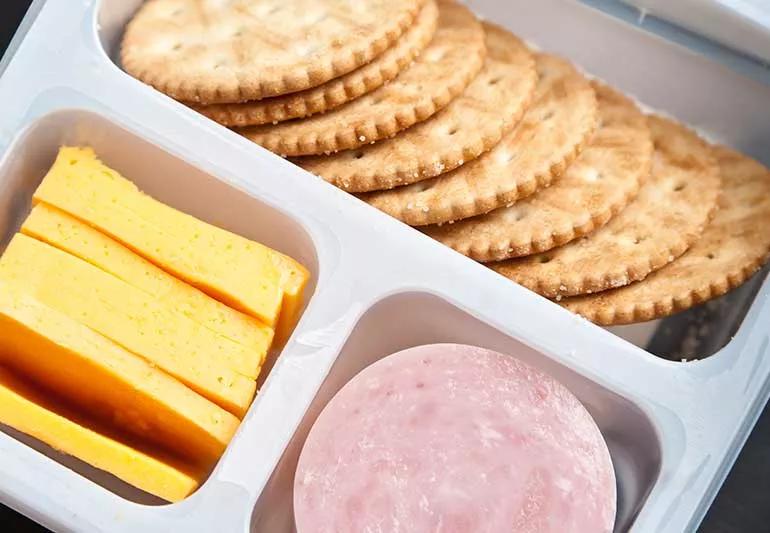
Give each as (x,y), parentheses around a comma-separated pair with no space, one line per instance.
(554,130)
(666,218)
(733,247)
(470,125)
(218,52)
(441,72)
(598,185)
(334,92)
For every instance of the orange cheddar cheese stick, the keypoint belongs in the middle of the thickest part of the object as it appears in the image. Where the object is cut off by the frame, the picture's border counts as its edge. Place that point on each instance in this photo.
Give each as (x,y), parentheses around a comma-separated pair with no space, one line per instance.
(204,361)
(239,272)
(29,411)
(108,382)
(67,233)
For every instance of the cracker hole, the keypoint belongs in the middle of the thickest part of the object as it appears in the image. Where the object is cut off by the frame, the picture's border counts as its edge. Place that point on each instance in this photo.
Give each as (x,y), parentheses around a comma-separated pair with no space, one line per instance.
(494,81)
(548,116)
(177,47)
(711,255)
(305,49)
(425,185)
(436,55)
(73,161)
(452,131)
(680,187)
(358,155)
(543,259)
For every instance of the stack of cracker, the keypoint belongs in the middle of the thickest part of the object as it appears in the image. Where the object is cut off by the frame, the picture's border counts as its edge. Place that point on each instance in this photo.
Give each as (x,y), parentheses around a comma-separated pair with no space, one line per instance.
(511,157)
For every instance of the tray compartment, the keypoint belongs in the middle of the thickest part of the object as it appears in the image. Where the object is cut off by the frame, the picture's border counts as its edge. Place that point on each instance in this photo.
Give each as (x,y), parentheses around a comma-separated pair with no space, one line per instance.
(411,319)
(694,334)
(160,174)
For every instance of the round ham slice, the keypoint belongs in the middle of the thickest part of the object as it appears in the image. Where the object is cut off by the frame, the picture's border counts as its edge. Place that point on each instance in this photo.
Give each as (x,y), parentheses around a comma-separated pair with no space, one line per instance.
(454,439)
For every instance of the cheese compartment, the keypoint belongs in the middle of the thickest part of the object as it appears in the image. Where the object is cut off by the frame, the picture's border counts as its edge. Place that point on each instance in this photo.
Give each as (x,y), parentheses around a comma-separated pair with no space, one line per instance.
(411,319)
(167,179)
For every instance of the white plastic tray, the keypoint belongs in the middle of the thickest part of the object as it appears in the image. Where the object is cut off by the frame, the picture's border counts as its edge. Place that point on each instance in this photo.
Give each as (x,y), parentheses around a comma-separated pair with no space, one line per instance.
(741,24)
(674,429)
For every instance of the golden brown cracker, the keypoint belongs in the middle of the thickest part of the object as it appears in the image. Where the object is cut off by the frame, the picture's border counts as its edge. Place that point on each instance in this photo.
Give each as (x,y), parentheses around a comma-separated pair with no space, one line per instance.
(441,72)
(470,125)
(334,92)
(552,132)
(666,218)
(733,247)
(599,184)
(209,51)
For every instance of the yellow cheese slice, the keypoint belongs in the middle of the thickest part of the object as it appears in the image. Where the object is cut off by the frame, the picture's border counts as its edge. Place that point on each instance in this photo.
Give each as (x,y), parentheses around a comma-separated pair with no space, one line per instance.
(108,382)
(26,409)
(59,229)
(133,319)
(294,281)
(230,268)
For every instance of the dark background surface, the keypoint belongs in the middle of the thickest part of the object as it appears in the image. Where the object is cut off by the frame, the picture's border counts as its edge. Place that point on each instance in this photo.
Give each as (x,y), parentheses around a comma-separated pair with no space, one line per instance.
(743,505)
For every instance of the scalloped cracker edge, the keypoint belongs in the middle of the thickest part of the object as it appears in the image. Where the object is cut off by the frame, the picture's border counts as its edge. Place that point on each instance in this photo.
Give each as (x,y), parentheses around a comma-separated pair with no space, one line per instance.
(596,187)
(336,92)
(441,72)
(732,248)
(225,52)
(667,217)
(553,131)
(470,125)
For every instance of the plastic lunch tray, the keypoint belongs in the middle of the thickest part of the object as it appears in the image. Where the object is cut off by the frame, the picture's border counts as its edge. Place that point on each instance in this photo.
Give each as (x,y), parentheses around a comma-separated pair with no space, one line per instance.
(742,24)
(674,429)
